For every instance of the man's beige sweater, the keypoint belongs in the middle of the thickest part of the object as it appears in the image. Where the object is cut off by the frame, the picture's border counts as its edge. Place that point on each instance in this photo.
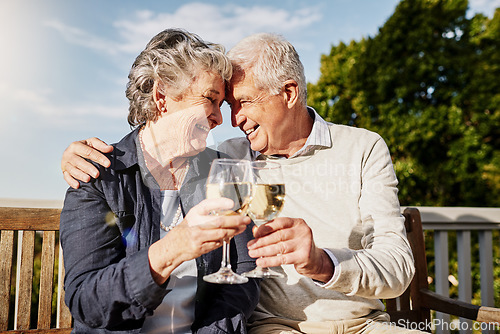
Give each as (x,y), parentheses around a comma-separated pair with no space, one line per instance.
(347,194)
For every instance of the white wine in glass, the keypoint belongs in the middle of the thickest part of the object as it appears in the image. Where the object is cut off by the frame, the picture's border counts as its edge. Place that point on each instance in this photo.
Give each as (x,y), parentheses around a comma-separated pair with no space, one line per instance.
(237,191)
(268,198)
(232,179)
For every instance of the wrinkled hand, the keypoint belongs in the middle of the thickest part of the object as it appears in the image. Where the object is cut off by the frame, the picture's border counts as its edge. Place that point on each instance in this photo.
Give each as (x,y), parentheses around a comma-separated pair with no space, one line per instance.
(198,234)
(73,163)
(290,241)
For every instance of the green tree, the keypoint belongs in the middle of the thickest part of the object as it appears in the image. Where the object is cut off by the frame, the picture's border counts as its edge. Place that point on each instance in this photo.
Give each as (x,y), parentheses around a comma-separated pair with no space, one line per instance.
(428,83)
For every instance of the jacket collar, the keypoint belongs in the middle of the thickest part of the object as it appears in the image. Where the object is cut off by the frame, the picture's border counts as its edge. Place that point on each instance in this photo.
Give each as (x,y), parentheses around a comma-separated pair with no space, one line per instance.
(126,155)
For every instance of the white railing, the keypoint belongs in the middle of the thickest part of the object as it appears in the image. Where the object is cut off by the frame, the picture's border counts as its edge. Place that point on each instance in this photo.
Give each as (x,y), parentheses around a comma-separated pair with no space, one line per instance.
(462,220)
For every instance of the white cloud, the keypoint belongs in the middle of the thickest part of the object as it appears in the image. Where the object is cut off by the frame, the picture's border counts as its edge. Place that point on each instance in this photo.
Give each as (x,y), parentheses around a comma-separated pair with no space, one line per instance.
(222,24)
(487,7)
(81,37)
(25,102)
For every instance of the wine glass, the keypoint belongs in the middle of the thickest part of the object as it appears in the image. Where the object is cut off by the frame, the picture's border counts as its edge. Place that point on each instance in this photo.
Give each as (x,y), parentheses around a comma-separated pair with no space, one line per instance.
(232,179)
(268,198)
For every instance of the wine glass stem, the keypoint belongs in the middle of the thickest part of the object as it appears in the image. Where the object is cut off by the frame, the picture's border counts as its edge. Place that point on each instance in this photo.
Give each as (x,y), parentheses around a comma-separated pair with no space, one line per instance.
(262,222)
(225,254)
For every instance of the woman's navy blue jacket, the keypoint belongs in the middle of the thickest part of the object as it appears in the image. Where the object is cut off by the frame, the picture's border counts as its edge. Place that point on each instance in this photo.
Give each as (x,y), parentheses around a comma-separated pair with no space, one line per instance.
(107,226)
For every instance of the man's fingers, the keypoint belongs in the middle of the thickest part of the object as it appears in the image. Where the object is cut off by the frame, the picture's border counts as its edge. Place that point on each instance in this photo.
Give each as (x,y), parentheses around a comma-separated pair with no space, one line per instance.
(283,247)
(94,149)
(73,161)
(275,261)
(272,227)
(99,144)
(71,181)
(81,150)
(87,151)
(80,169)
(262,230)
(269,237)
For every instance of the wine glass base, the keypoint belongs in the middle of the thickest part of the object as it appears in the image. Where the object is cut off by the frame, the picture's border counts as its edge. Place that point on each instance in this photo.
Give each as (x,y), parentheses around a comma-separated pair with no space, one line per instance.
(263,273)
(225,276)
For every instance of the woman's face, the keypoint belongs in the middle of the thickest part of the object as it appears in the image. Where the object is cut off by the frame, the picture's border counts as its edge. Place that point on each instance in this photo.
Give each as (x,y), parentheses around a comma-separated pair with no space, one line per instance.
(195,113)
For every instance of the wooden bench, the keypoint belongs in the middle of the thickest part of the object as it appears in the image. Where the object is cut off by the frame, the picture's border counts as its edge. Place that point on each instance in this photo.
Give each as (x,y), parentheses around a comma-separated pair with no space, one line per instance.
(414,305)
(27,223)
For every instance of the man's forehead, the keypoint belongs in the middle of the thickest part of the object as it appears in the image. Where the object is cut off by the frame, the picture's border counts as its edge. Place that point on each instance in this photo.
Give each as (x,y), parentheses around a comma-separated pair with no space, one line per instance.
(240,92)
(241,85)
(240,78)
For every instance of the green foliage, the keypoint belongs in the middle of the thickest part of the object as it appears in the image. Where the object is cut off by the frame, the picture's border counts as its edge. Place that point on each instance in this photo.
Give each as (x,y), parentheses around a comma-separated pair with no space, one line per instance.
(428,83)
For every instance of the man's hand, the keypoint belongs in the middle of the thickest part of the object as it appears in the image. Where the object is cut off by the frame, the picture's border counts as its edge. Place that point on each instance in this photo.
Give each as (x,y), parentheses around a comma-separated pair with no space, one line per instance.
(73,163)
(290,241)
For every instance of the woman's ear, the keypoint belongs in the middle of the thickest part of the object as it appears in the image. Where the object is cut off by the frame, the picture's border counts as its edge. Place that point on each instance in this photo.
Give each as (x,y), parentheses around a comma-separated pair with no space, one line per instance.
(290,92)
(158,96)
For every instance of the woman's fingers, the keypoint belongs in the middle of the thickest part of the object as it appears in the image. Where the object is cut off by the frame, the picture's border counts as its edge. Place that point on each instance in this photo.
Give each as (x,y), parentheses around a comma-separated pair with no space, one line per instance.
(217,227)
(212,205)
(201,231)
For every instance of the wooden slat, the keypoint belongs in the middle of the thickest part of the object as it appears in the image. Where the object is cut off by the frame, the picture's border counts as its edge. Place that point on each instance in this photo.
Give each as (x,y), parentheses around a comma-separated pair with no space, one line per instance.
(7,253)
(46,279)
(415,233)
(41,331)
(25,280)
(64,319)
(29,219)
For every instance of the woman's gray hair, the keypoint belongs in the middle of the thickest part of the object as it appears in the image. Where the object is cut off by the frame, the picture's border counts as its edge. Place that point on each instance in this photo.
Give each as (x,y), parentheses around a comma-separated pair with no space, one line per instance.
(272,60)
(172,58)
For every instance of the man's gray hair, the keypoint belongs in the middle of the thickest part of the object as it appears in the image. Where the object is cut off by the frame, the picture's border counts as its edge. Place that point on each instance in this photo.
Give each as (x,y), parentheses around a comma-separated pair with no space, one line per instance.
(272,60)
(173,58)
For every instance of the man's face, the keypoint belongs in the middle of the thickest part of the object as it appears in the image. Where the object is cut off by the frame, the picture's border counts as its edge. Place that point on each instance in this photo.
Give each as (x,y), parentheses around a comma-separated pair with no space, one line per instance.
(258,114)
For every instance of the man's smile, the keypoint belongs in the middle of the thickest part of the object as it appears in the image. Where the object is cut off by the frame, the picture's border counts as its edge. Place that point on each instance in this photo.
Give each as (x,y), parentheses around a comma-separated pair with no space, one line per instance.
(249,131)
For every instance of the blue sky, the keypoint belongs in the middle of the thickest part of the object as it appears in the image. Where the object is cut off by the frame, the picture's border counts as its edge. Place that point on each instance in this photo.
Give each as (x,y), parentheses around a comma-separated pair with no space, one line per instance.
(65,65)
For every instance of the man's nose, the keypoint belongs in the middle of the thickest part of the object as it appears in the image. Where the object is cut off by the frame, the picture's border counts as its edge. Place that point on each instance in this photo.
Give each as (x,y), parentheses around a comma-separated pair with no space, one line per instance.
(236,117)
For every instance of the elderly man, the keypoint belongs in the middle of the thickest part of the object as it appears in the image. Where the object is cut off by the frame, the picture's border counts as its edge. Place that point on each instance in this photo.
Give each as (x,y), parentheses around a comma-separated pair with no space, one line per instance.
(340,239)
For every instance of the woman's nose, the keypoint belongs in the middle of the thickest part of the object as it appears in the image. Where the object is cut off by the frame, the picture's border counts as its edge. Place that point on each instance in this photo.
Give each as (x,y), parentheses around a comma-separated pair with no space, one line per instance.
(217,116)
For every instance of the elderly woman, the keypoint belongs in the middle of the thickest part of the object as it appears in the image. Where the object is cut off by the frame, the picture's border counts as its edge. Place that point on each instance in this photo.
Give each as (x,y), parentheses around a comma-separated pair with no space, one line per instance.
(138,240)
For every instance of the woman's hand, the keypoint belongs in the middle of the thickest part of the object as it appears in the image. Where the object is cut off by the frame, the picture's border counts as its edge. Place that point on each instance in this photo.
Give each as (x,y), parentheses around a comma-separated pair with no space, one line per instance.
(199,233)
(73,163)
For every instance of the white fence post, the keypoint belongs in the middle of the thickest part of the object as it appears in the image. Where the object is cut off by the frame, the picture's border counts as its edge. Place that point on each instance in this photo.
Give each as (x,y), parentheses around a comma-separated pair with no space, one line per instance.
(441,271)
(464,275)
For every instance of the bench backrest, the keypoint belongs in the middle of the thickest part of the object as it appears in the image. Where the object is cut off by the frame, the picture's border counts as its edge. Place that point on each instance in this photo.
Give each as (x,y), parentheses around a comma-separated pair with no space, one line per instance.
(413,305)
(19,228)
